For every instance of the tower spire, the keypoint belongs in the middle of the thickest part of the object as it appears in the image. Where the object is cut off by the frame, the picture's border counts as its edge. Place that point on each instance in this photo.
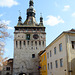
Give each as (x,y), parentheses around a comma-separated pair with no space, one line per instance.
(41,19)
(19,18)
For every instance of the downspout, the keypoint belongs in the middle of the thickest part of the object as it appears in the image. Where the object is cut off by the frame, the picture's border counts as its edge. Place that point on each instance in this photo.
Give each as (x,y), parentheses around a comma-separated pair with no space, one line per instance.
(69,54)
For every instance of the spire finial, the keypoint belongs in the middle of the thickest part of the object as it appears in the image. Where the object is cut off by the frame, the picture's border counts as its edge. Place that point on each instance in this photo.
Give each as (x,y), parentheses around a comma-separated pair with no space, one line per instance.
(40,14)
(19,13)
(31,3)
(41,18)
(19,19)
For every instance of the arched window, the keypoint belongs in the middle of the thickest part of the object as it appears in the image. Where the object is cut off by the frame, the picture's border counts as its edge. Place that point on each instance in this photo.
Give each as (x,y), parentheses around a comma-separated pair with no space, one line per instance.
(36,43)
(43,43)
(31,43)
(16,44)
(24,43)
(28,42)
(20,44)
(39,42)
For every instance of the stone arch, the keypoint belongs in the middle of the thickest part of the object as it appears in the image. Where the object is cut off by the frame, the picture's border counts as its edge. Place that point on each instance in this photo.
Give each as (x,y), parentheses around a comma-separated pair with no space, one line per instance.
(22,74)
(7,73)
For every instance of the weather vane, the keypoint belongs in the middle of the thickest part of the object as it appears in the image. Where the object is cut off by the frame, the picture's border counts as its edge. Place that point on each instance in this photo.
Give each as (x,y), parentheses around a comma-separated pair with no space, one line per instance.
(19,13)
(40,14)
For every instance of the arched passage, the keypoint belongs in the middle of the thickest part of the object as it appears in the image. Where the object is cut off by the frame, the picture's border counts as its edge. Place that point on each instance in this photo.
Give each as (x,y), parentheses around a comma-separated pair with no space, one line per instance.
(22,74)
(7,73)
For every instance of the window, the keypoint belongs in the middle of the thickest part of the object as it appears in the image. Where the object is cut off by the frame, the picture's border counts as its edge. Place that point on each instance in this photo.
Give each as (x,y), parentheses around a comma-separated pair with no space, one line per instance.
(8,68)
(33,55)
(24,42)
(39,42)
(47,55)
(43,43)
(48,66)
(73,44)
(50,53)
(60,47)
(44,57)
(44,67)
(16,44)
(61,62)
(31,47)
(28,37)
(51,65)
(20,44)
(56,64)
(54,50)
(36,47)
(31,43)
(36,43)
(28,42)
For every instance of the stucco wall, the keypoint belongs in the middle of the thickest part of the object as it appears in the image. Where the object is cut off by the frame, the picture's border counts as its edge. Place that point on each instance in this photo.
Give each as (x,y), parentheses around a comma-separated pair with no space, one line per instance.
(57,56)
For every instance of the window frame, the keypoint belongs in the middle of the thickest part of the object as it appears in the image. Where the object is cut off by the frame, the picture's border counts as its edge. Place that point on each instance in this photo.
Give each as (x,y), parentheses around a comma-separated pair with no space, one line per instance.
(50,53)
(61,62)
(56,63)
(27,36)
(33,55)
(54,50)
(60,47)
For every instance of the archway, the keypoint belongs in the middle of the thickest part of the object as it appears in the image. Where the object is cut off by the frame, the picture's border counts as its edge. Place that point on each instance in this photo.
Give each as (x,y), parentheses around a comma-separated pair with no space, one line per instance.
(22,74)
(7,73)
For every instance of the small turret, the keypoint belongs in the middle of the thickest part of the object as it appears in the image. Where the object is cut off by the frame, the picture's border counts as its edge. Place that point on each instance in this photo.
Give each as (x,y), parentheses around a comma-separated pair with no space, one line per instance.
(41,20)
(19,19)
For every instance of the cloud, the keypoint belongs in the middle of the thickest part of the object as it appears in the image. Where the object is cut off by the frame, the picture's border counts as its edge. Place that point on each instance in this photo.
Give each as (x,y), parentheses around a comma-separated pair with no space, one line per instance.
(66,8)
(73,14)
(10,28)
(5,22)
(8,3)
(1,15)
(52,20)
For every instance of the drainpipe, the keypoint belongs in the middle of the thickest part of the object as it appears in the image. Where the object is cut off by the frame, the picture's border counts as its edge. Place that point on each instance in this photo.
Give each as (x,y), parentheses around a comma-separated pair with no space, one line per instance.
(69,55)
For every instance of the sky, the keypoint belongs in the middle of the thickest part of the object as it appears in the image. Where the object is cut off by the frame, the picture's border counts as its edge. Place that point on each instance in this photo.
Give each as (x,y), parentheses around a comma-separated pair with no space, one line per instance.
(58,15)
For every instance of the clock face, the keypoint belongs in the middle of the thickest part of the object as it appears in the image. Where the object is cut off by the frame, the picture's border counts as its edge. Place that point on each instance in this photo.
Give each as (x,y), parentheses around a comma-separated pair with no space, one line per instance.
(35,36)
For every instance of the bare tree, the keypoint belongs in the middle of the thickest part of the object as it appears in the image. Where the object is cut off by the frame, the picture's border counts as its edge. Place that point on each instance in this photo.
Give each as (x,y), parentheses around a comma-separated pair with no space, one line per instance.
(3,35)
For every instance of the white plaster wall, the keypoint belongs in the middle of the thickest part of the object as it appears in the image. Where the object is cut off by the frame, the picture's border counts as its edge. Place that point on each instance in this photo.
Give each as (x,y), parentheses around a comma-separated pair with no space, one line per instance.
(58,56)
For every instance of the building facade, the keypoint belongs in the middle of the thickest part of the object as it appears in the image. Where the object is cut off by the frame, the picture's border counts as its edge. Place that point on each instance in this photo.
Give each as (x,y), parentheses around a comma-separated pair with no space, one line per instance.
(29,40)
(61,54)
(43,63)
(7,67)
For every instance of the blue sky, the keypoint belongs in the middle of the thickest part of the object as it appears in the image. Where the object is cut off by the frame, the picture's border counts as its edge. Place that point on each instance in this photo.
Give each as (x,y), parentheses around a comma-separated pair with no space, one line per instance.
(59,16)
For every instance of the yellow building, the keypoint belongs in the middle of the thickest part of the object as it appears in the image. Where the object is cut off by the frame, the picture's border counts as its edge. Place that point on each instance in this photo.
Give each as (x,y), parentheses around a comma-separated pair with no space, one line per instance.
(43,63)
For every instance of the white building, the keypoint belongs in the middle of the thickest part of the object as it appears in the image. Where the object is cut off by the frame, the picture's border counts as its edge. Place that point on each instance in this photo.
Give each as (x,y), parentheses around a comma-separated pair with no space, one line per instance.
(61,54)
(29,40)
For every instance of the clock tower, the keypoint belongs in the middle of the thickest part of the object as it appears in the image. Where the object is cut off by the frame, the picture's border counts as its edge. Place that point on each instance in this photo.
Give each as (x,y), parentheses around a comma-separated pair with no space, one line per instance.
(29,40)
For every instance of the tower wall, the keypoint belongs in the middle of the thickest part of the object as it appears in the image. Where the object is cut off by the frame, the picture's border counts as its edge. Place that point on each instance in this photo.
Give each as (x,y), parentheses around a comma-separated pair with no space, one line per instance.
(26,50)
